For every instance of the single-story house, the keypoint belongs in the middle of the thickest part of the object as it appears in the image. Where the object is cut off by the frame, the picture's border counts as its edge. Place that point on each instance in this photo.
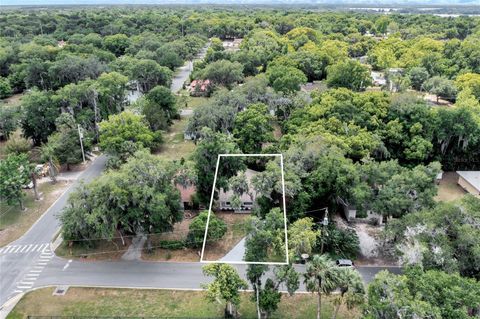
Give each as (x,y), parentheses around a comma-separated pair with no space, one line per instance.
(186,196)
(232,45)
(247,199)
(378,78)
(200,87)
(470,181)
(350,213)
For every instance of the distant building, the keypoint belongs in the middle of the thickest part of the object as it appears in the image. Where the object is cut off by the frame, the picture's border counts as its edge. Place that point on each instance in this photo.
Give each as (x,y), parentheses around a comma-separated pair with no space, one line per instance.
(247,200)
(232,45)
(200,87)
(378,78)
(186,196)
(470,181)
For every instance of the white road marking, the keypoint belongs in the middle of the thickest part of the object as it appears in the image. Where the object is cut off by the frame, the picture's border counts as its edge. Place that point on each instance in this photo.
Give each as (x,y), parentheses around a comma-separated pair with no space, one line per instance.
(28,249)
(34,247)
(9,249)
(18,247)
(67,264)
(43,264)
(24,247)
(32,275)
(17,291)
(1,250)
(38,267)
(37,271)
(24,287)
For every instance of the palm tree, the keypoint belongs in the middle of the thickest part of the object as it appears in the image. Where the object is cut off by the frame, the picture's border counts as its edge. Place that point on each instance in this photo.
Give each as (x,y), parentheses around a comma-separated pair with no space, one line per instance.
(47,153)
(321,277)
(352,290)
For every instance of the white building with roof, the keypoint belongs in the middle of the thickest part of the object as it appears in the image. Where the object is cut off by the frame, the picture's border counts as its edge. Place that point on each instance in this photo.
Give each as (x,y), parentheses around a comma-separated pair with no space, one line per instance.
(470,181)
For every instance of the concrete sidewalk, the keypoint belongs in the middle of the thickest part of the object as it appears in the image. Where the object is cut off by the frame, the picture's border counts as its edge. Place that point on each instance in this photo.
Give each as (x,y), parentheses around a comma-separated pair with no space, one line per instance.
(237,253)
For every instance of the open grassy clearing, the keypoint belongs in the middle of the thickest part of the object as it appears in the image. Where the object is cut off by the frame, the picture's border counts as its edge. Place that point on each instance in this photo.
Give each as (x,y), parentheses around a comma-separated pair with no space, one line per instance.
(174,146)
(192,102)
(161,303)
(14,222)
(13,100)
(448,189)
(236,230)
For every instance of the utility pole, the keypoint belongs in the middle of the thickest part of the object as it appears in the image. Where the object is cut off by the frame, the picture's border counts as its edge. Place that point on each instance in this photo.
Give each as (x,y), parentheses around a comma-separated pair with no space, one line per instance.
(324,228)
(80,136)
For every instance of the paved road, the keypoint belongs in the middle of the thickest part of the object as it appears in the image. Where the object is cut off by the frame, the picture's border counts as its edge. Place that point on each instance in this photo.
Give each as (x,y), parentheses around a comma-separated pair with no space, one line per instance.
(142,274)
(22,261)
(183,72)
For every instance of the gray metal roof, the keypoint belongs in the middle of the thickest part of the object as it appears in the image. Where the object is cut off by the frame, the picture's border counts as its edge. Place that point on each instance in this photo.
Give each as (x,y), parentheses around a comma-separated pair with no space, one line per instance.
(472,177)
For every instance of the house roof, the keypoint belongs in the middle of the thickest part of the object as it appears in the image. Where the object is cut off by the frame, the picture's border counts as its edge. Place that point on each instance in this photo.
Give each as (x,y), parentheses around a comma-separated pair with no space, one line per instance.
(186,192)
(225,196)
(472,177)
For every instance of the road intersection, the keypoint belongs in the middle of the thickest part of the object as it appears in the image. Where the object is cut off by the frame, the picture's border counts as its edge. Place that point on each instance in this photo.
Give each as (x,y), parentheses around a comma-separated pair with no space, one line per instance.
(39,267)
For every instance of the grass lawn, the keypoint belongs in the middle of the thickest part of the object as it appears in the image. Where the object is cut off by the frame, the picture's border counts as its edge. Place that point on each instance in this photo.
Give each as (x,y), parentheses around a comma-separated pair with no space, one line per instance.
(448,189)
(160,303)
(102,250)
(192,101)
(236,230)
(14,222)
(174,146)
(13,100)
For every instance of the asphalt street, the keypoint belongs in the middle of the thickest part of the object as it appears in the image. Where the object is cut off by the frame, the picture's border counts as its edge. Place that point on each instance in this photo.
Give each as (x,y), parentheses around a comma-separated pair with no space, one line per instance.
(142,274)
(19,259)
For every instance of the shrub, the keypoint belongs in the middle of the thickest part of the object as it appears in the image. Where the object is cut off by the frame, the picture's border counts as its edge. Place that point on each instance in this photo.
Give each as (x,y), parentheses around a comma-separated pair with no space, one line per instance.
(171,244)
(216,230)
(17,146)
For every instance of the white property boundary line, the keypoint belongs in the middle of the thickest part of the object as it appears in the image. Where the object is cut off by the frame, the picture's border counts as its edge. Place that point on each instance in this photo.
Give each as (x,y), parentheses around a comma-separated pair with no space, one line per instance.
(211,204)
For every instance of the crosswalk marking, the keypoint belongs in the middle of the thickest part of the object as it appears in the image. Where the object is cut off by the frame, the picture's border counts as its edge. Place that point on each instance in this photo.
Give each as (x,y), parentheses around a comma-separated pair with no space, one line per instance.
(32,275)
(42,259)
(44,249)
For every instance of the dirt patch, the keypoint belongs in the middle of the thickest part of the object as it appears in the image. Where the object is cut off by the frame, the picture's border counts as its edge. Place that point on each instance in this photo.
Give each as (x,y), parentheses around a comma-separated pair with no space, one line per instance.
(448,189)
(370,255)
(98,250)
(237,229)
(235,232)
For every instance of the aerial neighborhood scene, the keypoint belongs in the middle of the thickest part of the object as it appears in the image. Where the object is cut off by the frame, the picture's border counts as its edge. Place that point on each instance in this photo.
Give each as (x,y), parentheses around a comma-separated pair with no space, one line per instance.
(240,159)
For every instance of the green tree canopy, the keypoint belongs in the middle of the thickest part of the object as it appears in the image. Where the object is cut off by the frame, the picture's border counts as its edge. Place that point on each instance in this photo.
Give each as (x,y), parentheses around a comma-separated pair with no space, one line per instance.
(349,74)
(196,231)
(159,108)
(39,116)
(285,79)
(225,286)
(253,128)
(138,198)
(223,72)
(14,175)
(125,133)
